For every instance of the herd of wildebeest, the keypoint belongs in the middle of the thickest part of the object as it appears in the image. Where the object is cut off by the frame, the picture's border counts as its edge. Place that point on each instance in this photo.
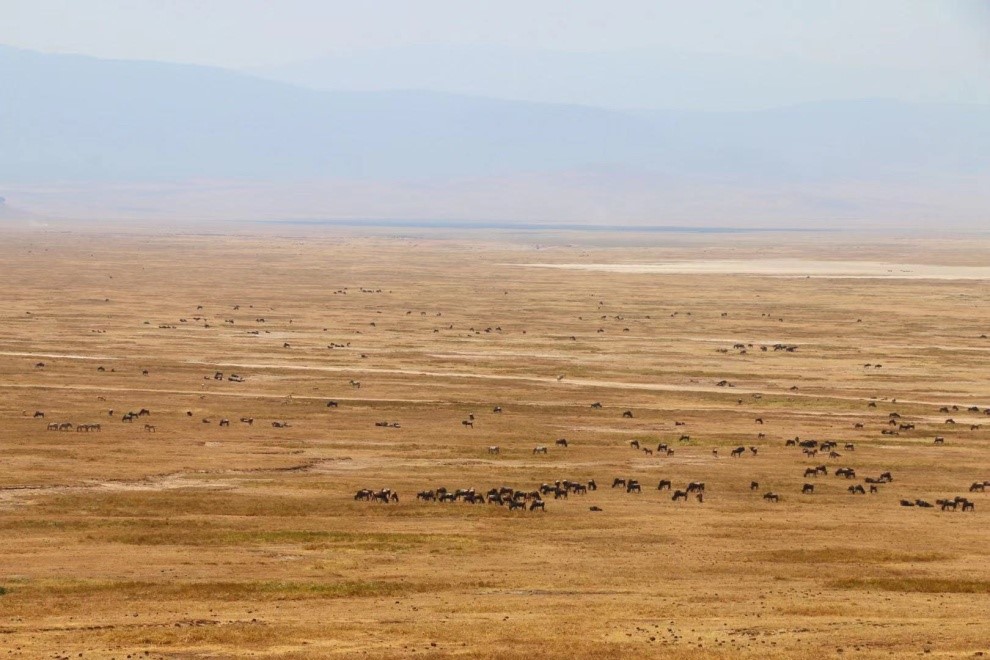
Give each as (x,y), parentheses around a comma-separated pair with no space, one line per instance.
(533,498)
(517,499)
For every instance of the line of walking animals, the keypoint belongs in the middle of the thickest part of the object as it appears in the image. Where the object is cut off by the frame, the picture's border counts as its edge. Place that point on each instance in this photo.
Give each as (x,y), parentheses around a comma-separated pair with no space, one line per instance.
(518,499)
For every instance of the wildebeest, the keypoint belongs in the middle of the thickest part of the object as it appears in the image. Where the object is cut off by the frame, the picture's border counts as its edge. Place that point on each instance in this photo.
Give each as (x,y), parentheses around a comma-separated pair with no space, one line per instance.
(737,452)
(807,489)
(280,425)
(562,442)
(468,422)
(224,422)
(537,504)
(497,409)
(696,486)
(634,444)
(978,486)
(426,495)
(857,489)
(596,405)
(494,449)
(149,428)
(627,414)
(664,484)
(617,482)
(679,495)
(771,497)
(247,420)
(363,494)
(592,485)
(331,404)
(632,486)
(754,485)
(939,440)
(848,473)
(539,449)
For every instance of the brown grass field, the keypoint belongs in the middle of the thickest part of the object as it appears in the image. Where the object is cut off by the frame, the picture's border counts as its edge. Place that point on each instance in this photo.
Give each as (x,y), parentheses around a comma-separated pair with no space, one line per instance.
(202,541)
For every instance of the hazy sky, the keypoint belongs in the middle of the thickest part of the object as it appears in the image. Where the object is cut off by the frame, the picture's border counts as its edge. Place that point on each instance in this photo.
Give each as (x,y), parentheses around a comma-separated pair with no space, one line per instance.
(932,34)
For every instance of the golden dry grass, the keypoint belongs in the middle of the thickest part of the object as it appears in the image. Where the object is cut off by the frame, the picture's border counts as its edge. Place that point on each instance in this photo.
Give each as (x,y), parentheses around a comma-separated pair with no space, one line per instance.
(206,541)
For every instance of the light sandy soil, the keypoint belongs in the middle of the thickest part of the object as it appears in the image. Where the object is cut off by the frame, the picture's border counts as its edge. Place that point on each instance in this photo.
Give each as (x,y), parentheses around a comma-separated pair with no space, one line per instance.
(197,540)
(790,268)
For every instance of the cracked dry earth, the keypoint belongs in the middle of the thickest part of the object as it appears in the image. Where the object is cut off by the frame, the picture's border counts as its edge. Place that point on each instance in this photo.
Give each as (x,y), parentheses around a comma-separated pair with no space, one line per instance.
(188,539)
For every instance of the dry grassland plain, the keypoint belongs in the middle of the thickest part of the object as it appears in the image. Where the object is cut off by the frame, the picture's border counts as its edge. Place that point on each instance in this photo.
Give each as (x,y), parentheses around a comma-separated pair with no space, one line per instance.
(197,540)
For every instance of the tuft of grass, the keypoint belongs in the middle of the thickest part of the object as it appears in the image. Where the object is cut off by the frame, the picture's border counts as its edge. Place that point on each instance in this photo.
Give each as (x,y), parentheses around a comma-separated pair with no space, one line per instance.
(920,585)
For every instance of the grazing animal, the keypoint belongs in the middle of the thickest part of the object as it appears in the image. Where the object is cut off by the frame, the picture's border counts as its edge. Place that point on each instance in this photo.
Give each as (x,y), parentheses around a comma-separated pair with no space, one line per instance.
(595,508)
(696,486)
(224,422)
(596,405)
(679,495)
(907,503)
(874,489)
(497,409)
(632,486)
(969,506)
(149,428)
(771,497)
(247,420)
(331,404)
(539,449)
(468,422)
(759,420)
(647,451)
(808,489)
(627,414)
(939,440)
(634,444)
(857,490)
(737,452)
(494,449)
(977,487)
(664,484)
(617,482)
(754,485)
(592,485)
(517,504)
(562,442)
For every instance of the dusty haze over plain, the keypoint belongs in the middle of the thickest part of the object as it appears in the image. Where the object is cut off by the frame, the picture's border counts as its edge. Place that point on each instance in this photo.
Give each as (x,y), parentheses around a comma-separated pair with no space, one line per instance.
(776,114)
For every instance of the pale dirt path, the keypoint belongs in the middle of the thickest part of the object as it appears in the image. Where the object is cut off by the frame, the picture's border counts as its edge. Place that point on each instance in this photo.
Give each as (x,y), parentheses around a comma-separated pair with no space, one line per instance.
(600,384)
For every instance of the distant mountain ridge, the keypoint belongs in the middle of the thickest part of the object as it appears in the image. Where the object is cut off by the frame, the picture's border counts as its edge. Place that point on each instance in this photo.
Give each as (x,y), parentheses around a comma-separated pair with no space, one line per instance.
(75,118)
